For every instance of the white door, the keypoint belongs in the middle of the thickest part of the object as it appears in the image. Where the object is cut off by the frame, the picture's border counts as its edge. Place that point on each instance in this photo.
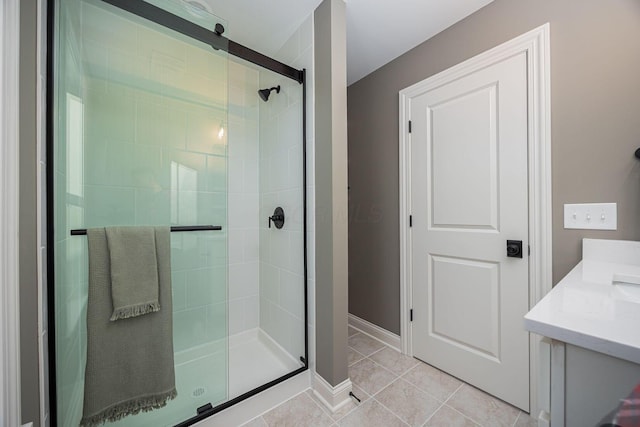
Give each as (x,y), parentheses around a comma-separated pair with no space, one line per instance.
(468,197)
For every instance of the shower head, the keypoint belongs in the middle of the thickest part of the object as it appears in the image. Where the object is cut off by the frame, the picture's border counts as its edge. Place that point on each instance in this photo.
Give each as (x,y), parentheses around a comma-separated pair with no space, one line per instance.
(264,93)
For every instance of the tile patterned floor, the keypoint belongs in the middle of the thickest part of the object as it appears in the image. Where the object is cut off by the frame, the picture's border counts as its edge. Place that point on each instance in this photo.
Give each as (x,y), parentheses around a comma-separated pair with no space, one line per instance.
(396,390)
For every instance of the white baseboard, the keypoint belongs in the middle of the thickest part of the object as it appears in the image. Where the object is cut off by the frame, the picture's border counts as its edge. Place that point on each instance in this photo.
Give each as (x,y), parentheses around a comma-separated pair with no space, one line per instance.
(375,331)
(333,398)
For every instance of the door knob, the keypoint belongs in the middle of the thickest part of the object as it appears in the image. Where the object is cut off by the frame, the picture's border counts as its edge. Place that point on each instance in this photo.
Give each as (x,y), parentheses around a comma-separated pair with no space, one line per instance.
(514,248)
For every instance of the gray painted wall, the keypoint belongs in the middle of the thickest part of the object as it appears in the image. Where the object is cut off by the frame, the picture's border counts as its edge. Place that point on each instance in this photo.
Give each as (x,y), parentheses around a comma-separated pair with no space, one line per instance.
(595,105)
(331,190)
(27,233)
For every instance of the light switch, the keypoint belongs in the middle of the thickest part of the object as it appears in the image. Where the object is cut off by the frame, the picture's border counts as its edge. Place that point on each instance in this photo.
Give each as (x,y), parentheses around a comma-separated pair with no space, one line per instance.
(591,216)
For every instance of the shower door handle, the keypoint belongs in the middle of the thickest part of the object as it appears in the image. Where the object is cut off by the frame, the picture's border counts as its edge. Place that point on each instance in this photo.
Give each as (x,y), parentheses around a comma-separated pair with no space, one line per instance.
(277,218)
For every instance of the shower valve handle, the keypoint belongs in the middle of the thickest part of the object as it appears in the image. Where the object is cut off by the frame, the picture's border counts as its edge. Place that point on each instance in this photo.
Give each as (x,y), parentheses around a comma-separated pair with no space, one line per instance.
(277,218)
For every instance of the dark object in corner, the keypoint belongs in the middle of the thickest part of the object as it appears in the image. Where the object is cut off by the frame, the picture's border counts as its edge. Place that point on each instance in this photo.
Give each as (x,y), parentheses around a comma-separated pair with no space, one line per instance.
(637,153)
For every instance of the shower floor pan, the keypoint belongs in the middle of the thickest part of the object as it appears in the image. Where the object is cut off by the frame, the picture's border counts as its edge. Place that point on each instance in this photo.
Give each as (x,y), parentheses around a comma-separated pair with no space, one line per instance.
(254,359)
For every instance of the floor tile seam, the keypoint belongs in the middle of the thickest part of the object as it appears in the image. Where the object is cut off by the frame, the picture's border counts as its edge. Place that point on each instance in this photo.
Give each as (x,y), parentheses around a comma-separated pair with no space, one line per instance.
(373,396)
(517,418)
(255,418)
(459,412)
(402,377)
(281,404)
(363,356)
(440,401)
(434,412)
(417,362)
(388,409)
(374,339)
(352,348)
(490,396)
(388,370)
(453,393)
(359,360)
(476,422)
(380,349)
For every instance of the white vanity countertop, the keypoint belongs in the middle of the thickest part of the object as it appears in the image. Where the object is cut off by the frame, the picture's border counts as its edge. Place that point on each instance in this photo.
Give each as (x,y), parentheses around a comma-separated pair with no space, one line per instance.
(586,309)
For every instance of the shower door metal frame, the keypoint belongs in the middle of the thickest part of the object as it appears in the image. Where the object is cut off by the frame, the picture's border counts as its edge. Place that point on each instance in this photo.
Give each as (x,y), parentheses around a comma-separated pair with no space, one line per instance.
(218,42)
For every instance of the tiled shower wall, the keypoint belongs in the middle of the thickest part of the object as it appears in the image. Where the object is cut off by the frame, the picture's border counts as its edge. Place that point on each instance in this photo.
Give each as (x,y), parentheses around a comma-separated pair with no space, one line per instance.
(281,171)
(244,198)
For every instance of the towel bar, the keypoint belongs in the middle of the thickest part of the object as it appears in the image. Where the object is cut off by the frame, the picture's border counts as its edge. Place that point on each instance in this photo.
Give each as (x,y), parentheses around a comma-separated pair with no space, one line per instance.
(175,228)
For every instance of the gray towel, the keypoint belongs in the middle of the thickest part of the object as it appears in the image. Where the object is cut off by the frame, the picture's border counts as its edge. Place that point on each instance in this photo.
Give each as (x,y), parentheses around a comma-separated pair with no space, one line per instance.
(129,362)
(134,271)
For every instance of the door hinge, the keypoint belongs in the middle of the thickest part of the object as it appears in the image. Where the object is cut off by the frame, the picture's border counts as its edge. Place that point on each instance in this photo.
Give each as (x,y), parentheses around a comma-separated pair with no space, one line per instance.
(410,220)
(409,126)
(411,315)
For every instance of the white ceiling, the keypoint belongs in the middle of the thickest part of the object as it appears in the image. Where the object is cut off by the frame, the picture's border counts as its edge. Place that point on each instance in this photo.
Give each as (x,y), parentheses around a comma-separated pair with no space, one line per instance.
(262,25)
(378,31)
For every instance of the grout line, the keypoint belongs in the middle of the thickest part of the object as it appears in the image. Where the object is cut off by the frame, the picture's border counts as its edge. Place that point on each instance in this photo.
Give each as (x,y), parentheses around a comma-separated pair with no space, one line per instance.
(454,392)
(378,351)
(434,412)
(467,417)
(517,418)
(402,377)
(395,377)
(454,409)
(277,406)
(353,363)
(393,413)
(442,404)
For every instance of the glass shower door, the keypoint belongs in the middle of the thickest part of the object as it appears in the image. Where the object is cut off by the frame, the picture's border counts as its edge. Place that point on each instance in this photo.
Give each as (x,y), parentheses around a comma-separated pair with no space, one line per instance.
(140,138)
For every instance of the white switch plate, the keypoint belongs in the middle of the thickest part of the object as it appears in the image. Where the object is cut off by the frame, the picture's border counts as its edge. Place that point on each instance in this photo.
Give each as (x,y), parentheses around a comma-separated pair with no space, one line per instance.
(591,216)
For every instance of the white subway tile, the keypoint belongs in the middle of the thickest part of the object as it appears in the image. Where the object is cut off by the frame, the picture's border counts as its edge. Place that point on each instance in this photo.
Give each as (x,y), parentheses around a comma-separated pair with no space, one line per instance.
(251,244)
(296,252)
(236,316)
(252,312)
(292,293)
(235,174)
(243,280)
(250,178)
(269,282)
(236,247)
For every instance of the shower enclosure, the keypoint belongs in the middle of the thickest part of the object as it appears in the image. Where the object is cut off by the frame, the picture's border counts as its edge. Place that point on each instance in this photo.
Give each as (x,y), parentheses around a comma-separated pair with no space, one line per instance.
(155,118)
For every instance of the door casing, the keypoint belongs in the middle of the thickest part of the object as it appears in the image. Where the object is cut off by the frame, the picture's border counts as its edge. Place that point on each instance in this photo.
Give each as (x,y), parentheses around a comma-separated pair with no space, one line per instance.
(535,44)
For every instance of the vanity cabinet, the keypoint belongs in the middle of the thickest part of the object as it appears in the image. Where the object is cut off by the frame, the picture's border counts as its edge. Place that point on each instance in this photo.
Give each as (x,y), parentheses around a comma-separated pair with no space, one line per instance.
(592,321)
(594,385)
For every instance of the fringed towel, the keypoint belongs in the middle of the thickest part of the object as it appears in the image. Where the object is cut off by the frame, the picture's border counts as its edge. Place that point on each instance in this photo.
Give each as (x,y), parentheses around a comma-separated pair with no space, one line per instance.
(129,361)
(134,271)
